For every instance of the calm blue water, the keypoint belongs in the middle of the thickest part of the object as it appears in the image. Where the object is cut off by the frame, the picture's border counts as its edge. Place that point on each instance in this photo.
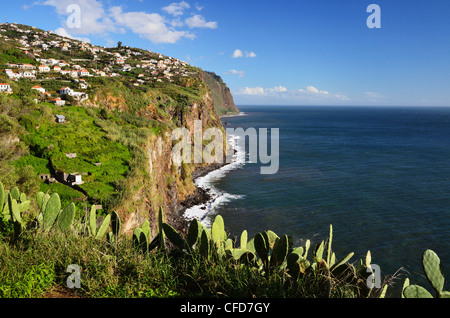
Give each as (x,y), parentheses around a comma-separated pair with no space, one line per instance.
(379,175)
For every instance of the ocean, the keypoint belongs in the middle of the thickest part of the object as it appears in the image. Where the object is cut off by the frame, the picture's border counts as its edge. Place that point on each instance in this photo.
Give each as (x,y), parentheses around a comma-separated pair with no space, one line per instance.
(379,175)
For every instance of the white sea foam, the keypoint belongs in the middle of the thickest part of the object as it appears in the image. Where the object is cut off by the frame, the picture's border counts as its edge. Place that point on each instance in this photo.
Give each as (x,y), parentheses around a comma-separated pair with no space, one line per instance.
(205,211)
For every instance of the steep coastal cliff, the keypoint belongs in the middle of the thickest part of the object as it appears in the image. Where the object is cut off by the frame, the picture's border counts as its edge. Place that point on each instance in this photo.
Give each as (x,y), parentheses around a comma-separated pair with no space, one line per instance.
(222,98)
(115,117)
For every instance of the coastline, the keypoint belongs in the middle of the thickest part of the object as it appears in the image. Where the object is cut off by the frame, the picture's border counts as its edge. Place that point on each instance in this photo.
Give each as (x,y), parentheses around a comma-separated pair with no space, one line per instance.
(200,197)
(213,197)
(200,203)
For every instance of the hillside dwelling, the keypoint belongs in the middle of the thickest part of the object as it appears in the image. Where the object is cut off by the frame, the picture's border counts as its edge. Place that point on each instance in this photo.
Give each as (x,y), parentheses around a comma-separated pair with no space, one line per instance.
(39,89)
(5,88)
(59,102)
(60,119)
(57,68)
(27,74)
(26,66)
(43,68)
(66,91)
(83,72)
(74,179)
(126,68)
(71,155)
(53,61)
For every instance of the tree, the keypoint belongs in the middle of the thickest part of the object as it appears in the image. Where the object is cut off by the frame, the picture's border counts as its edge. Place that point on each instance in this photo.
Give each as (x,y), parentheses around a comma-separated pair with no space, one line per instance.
(119,44)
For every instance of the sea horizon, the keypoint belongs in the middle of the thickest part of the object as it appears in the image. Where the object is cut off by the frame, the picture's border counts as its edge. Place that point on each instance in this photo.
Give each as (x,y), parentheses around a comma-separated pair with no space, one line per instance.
(381,154)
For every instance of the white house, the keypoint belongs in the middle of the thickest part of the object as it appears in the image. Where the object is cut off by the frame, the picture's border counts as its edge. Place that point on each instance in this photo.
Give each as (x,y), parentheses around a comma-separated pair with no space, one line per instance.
(5,88)
(26,66)
(27,74)
(39,88)
(66,91)
(43,68)
(83,72)
(60,119)
(126,68)
(59,102)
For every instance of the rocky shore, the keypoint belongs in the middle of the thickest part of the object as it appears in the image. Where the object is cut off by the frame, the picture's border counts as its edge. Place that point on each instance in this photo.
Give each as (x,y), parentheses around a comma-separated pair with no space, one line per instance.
(200,196)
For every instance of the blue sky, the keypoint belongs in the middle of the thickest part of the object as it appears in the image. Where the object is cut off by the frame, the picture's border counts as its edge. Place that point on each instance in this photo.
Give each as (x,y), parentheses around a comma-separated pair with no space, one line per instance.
(287,52)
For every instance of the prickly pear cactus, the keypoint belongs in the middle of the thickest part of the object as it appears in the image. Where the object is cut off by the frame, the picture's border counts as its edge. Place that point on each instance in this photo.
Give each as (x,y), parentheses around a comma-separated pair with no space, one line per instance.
(93,221)
(174,236)
(194,232)
(116,224)
(262,246)
(51,211)
(162,243)
(431,266)
(104,227)
(65,218)
(218,234)
(280,251)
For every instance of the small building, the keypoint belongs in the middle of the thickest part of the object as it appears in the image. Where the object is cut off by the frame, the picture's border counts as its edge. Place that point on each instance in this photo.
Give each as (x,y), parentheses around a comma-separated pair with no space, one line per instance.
(44,68)
(66,91)
(58,102)
(74,179)
(71,155)
(83,72)
(28,74)
(39,88)
(26,66)
(5,88)
(60,119)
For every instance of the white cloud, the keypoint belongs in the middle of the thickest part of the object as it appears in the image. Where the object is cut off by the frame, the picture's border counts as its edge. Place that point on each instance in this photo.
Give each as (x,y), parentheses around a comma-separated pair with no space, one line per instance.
(197,21)
(235,72)
(151,26)
(176,9)
(93,18)
(176,23)
(96,17)
(252,91)
(373,96)
(281,94)
(279,89)
(63,32)
(237,53)
(312,89)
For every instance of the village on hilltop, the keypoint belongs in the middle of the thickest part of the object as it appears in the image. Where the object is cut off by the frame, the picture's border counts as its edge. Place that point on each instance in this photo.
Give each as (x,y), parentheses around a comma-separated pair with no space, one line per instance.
(78,62)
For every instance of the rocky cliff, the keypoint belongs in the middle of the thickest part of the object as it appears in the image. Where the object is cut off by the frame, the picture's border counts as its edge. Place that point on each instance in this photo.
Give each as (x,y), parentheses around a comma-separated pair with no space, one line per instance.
(120,132)
(222,98)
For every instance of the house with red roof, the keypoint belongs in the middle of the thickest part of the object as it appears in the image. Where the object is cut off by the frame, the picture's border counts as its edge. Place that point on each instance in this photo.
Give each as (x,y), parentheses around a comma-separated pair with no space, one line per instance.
(39,88)
(5,88)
